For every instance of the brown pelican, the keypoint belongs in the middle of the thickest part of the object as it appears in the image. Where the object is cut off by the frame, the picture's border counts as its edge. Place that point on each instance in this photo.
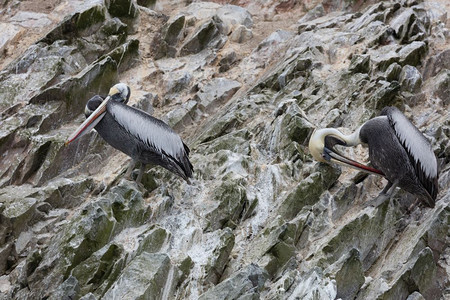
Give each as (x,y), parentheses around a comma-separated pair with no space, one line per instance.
(144,138)
(397,150)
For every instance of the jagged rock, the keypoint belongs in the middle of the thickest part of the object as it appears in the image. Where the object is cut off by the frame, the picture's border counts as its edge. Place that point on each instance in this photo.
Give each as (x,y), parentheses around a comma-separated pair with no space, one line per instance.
(170,36)
(149,273)
(230,201)
(360,64)
(216,92)
(232,15)
(122,8)
(182,115)
(309,190)
(410,79)
(246,284)
(99,270)
(82,23)
(415,296)
(241,34)
(350,277)
(441,86)
(177,81)
(412,53)
(220,257)
(436,63)
(208,34)
(228,59)
(384,57)
(69,289)
(393,72)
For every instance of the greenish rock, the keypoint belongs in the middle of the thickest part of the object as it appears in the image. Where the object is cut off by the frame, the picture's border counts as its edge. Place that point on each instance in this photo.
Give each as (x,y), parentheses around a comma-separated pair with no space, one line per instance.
(87,233)
(208,34)
(412,54)
(384,95)
(218,261)
(402,22)
(152,240)
(393,72)
(146,3)
(230,202)
(360,64)
(424,273)
(236,141)
(125,55)
(309,190)
(122,8)
(367,233)
(245,284)
(144,277)
(97,268)
(185,267)
(295,126)
(350,277)
(82,23)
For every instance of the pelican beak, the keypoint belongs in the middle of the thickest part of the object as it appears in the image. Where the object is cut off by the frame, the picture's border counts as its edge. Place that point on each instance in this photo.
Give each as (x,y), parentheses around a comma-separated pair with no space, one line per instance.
(331,154)
(89,123)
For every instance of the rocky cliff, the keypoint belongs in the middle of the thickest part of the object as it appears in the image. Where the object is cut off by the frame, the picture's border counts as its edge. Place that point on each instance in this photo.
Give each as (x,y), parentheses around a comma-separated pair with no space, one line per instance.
(244,85)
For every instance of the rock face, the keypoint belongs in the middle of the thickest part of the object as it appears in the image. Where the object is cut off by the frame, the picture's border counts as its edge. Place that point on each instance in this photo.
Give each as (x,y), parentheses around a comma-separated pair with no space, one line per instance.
(245,86)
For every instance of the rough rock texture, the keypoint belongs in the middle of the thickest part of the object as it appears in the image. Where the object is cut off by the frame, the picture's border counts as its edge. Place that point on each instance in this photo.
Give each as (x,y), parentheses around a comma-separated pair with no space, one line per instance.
(245,86)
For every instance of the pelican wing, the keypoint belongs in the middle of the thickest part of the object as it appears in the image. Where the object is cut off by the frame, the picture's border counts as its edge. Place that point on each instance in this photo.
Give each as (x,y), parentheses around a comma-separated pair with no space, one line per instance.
(151,131)
(417,147)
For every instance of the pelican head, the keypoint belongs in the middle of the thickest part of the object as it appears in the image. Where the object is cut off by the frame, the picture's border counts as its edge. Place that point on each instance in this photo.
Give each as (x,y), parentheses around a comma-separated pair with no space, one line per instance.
(323,141)
(95,109)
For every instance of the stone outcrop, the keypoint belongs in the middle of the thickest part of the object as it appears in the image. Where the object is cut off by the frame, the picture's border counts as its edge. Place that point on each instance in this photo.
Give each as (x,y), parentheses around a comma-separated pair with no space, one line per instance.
(245,86)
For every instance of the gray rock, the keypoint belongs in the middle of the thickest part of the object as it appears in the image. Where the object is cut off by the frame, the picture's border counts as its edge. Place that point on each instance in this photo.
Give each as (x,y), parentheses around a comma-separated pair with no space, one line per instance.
(393,72)
(183,115)
(227,60)
(149,274)
(10,33)
(410,79)
(360,64)
(401,23)
(208,34)
(68,290)
(441,86)
(436,64)
(308,191)
(412,53)
(415,296)
(245,283)
(216,92)
(241,34)
(233,15)
(350,277)
(218,261)
(230,200)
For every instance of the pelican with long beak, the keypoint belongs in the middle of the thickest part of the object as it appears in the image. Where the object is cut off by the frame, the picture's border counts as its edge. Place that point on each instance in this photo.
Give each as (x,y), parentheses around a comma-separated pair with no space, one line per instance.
(398,151)
(134,132)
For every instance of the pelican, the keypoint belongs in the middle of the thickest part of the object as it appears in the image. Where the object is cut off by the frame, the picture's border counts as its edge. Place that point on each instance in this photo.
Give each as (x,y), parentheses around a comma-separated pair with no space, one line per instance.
(398,151)
(142,137)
